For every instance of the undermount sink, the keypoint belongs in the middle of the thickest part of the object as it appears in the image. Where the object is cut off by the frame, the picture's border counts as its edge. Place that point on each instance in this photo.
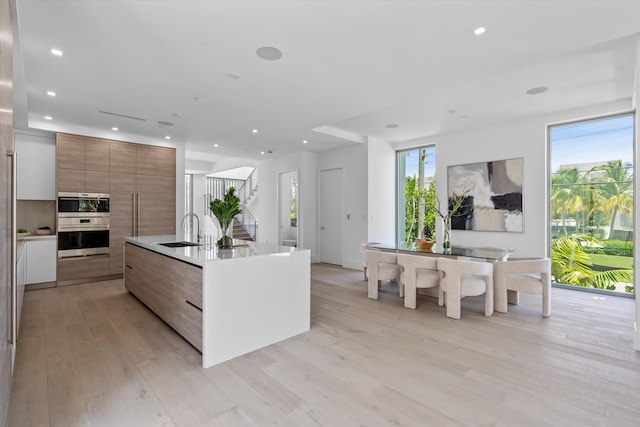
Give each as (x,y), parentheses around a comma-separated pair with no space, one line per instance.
(179,244)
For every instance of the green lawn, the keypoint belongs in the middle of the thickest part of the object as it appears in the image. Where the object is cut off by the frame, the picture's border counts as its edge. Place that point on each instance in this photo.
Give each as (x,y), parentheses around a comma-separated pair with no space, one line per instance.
(613,261)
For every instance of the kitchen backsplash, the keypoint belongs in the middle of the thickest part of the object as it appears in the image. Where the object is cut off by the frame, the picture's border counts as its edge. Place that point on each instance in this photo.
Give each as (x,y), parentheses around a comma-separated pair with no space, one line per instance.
(32,214)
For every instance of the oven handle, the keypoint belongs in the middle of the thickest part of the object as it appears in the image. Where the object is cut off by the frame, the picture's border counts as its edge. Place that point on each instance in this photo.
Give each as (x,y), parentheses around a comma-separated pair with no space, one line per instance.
(71,228)
(83,256)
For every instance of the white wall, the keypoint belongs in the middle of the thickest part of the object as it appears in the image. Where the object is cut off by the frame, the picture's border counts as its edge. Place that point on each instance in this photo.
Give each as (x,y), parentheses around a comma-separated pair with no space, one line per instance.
(353,162)
(382,192)
(526,139)
(305,164)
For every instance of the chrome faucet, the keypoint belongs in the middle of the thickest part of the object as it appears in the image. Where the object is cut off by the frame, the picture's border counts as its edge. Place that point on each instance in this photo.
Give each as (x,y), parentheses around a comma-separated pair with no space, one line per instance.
(184,218)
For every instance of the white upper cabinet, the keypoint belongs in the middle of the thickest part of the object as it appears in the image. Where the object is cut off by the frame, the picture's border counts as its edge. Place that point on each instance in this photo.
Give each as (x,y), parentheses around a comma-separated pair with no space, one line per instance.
(36,166)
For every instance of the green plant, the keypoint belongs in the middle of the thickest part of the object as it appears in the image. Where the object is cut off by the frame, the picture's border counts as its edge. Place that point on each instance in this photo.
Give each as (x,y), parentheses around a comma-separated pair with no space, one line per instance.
(225,210)
(22,230)
(412,210)
(457,208)
(571,265)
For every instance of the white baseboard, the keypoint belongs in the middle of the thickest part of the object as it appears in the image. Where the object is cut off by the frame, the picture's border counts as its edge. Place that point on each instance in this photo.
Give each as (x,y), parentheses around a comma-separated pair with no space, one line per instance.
(353,264)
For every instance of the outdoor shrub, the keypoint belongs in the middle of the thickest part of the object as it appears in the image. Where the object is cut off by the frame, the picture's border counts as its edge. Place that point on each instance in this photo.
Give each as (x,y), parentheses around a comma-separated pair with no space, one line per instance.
(618,247)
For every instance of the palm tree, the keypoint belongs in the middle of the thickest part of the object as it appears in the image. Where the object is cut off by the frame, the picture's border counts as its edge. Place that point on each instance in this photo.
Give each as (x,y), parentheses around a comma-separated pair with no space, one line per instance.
(567,194)
(615,188)
(571,265)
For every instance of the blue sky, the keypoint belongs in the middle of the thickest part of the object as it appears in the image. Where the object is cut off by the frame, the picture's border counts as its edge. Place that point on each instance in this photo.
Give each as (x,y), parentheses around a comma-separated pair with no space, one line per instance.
(591,141)
(598,140)
(430,165)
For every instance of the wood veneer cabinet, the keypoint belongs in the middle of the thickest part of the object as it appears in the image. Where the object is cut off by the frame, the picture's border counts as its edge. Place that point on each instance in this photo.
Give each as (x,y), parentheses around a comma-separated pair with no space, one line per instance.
(82,267)
(82,164)
(140,180)
(172,289)
(143,195)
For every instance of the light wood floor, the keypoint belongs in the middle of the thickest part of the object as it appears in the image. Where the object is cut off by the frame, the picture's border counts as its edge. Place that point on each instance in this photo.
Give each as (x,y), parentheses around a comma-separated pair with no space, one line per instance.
(92,355)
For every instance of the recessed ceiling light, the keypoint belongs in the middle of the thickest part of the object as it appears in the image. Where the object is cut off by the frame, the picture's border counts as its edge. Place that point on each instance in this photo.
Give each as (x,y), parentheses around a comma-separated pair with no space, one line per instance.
(537,90)
(48,118)
(216,145)
(262,152)
(479,30)
(51,93)
(167,137)
(114,128)
(254,130)
(305,141)
(56,52)
(391,126)
(269,53)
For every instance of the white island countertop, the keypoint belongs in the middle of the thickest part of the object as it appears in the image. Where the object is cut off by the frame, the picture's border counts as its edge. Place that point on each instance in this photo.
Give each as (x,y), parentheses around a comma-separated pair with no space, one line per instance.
(199,255)
(252,296)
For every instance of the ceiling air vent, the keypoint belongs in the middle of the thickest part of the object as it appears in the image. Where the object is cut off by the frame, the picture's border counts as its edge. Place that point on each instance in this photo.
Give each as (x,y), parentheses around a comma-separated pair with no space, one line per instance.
(122,115)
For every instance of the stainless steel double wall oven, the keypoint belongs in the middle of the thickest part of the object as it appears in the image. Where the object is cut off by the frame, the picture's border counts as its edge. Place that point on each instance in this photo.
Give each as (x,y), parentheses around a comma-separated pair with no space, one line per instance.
(83,224)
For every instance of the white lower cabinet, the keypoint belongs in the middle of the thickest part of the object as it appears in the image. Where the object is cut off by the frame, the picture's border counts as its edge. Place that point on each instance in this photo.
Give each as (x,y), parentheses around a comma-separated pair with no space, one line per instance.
(41,261)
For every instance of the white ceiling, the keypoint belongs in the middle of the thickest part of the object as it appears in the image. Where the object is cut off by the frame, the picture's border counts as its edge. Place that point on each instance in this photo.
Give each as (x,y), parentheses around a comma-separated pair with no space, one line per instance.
(349,68)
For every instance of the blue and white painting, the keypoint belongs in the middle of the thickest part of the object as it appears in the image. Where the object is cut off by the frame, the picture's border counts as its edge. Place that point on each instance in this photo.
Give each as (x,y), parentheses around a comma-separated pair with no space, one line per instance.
(494,195)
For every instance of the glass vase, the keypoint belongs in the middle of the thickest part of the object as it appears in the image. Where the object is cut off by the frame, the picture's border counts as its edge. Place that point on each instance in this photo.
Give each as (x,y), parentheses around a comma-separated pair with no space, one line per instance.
(226,241)
(446,233)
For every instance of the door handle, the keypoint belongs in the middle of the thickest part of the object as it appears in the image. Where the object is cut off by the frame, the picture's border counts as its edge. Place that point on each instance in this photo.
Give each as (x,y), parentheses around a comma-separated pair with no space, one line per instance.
(321,228)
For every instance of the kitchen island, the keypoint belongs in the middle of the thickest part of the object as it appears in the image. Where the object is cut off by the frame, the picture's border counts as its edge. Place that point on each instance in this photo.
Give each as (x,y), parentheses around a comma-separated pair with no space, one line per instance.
(224,302)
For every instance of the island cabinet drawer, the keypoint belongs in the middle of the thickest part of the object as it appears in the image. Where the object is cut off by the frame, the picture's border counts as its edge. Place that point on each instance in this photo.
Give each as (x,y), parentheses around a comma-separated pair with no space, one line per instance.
(184,282)
(172,289)
(144,278)
(192,289)
(190,324)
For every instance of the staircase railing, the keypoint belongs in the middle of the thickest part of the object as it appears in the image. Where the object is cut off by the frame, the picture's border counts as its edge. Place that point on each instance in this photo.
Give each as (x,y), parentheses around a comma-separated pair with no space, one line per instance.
(216,187)
(249,223)
(249,187)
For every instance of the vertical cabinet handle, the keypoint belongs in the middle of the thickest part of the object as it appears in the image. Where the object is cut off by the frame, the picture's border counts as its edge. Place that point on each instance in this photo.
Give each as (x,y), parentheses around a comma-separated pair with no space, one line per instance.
(138,214)
(133,219)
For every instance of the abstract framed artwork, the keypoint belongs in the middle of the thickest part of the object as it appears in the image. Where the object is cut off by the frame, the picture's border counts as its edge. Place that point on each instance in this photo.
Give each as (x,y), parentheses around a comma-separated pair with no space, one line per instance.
(493,195)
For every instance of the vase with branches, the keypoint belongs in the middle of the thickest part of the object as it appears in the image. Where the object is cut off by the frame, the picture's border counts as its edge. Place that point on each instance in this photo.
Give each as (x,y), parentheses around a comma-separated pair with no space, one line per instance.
(456,208)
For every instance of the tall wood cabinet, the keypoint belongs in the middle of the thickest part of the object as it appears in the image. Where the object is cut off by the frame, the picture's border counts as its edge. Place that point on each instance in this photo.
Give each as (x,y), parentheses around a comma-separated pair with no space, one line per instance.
(140,180)
(82,164)
(143,202)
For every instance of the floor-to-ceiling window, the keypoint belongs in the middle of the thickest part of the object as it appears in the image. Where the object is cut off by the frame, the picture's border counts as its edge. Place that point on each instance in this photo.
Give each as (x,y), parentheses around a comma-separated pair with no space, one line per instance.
(416,194)
(592,199)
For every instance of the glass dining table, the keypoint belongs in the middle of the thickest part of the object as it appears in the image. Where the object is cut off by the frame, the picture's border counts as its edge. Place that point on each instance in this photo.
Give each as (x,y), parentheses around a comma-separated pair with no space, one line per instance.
(485,253)
(481,254)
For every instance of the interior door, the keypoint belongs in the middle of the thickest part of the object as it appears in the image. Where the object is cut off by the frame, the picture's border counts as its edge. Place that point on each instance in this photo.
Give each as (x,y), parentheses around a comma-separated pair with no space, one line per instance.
(331,216)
